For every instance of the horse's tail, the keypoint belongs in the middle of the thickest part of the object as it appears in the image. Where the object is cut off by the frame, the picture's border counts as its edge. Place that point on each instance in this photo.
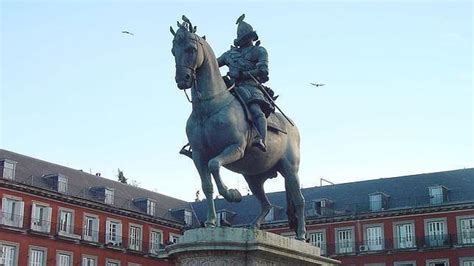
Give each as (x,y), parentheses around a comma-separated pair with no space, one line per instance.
(291,210)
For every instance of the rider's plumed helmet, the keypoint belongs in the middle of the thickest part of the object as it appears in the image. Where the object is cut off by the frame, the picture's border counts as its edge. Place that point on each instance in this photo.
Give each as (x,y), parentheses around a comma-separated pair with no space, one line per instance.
(244,31)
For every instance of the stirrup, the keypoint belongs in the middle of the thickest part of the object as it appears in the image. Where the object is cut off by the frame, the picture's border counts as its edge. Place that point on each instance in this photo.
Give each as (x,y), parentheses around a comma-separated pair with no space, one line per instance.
(186,152)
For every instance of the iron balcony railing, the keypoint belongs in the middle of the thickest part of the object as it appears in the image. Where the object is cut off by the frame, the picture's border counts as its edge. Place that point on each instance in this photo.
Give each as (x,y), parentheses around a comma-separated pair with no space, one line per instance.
(11,219)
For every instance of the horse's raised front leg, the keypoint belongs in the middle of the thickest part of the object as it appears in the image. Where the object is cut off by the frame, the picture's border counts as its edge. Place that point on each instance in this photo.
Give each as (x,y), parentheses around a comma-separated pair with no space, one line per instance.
(256,186)
(206,183)
(229,155)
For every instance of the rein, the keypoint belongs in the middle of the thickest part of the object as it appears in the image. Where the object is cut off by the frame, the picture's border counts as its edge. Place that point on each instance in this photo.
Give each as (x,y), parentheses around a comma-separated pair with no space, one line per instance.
(208,98)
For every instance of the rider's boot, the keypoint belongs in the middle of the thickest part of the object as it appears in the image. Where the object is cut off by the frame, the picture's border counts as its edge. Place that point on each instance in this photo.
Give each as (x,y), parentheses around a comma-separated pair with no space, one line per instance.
(261,126)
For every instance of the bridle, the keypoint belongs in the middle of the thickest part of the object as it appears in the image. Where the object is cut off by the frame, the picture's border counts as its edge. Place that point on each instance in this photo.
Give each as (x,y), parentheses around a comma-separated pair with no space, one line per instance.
(197,40)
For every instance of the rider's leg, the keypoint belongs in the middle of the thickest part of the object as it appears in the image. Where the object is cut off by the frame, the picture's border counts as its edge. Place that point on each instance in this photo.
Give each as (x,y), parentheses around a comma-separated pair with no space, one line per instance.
(260,123)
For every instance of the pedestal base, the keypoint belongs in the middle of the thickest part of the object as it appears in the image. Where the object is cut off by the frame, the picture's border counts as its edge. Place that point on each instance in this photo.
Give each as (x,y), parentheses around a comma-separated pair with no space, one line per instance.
(241,246)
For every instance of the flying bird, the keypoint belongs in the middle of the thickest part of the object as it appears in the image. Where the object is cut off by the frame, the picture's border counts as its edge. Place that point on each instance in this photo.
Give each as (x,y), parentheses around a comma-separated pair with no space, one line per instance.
(317,84)
(127,32)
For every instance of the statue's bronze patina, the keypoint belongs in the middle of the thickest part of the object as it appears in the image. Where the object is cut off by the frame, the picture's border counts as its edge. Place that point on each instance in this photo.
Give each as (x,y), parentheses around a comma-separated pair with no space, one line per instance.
(219,131)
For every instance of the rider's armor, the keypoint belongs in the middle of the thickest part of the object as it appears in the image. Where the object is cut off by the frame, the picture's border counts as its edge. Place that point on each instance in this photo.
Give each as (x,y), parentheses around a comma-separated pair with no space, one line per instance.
(247,61)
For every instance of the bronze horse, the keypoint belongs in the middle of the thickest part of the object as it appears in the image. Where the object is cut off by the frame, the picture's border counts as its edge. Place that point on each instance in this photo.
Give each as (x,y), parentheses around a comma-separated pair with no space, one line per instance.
(220,134)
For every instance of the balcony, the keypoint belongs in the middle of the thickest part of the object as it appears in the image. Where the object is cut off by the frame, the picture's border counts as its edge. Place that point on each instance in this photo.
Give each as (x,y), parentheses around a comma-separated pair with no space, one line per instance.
(67,232)
(435,241)
(40,226)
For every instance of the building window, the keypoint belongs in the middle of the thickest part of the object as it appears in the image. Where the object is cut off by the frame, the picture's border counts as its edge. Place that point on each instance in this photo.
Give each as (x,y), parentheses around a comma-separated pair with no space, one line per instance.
(221,216)
(114,233)
(156,238)
(440,262)
(465,230)
(12,212)
(66,219)
(150,207)
(91,228)
(435,233)
(373,238)
(270,215)
(8,169)
(89,261)
(109,196)
(375,202)
(135,236)
(40,218)
(8,255)
(188,217)
(344,240)
(63,259)
(466,261)
(404,263)
(404,236)
(174,238)
(37,257)
(62,184)
(438,194)
(318,239)
(321,207)
(112,263)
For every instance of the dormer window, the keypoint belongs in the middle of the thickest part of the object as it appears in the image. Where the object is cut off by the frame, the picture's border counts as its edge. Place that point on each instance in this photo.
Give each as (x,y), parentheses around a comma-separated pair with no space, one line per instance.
(150,207)
(322,206)
(109,196)
(57,182)
(188,217)
(62,184)
(438,194)
(146,205)
(7,169)
(377,201)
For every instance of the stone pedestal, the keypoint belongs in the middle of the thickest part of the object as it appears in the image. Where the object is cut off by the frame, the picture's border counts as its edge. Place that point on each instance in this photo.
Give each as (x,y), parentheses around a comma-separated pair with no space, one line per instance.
(241,246)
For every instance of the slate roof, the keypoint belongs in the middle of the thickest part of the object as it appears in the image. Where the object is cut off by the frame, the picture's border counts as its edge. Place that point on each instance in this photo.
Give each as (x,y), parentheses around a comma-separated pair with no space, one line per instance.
(31,171)
(404,192)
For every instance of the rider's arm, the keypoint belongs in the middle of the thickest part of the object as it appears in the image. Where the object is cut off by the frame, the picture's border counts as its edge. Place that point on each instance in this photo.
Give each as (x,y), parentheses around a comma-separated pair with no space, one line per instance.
(262,64)
(222,59)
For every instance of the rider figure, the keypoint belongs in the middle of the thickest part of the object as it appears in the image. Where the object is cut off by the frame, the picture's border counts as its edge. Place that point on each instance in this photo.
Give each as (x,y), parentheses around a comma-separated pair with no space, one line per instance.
(244,61)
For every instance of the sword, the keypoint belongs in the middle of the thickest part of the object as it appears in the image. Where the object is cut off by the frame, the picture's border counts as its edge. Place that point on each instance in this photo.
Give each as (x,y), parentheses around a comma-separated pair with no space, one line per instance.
(262,89)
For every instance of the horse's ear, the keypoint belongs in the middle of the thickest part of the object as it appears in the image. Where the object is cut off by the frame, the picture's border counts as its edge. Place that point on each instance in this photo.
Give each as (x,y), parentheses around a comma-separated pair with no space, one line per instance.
(179,24)
(195,29)
(172,31)
(204,37)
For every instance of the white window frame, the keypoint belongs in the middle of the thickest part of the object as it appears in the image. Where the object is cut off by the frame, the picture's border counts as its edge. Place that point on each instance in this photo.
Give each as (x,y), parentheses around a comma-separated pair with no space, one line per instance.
(375,243)
(317,238)
(66,226)
(31,250)
(404,263)
(113,239)
(463,260)
(150,207)
(221,215)
(41,217)
(14,259)
(109,195)
(404,240)
(85,260)
(62,184)
(154,246)
(12,217)
(135,236)
(174,238)
(94,237)
(60,253)
(437,239)
(375,202)
(188,217)
(445,261)
(348,246)
(112,262)
(465,236)
(8,172)
(436,194)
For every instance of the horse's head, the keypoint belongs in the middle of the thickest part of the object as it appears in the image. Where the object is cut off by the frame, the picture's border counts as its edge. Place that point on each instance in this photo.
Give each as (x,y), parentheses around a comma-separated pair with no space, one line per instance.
(188,53)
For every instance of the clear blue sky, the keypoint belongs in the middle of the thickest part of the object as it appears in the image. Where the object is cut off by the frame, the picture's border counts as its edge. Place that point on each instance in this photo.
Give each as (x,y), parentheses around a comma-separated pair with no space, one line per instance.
(398,97)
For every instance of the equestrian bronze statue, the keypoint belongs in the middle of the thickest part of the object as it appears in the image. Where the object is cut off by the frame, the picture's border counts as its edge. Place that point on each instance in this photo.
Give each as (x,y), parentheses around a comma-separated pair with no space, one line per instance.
(221,132)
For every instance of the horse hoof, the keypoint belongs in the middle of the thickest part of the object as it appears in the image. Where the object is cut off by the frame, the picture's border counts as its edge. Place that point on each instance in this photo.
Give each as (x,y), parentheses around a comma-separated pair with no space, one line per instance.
(234,195)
